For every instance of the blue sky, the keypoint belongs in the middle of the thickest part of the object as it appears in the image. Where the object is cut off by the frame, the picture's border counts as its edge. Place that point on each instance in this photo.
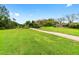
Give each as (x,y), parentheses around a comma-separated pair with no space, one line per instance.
(25,12)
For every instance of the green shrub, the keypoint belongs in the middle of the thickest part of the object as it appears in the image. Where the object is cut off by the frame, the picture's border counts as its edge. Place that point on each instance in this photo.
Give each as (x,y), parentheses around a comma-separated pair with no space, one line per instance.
(74,25)
(34,25)
(26,27)
(1,28)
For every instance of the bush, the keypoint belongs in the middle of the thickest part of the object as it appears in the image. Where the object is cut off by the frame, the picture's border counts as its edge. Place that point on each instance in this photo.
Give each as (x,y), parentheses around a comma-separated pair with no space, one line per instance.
(1,28)
(34,25)
(26,27)
(74,25)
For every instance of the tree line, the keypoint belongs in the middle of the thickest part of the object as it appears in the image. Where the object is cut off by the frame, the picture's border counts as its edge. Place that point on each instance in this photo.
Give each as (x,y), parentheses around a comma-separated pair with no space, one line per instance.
(67,21)
(7,23)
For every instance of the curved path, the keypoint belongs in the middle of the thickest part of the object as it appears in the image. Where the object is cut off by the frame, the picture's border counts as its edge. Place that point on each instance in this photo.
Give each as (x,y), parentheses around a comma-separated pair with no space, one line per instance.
(59,34)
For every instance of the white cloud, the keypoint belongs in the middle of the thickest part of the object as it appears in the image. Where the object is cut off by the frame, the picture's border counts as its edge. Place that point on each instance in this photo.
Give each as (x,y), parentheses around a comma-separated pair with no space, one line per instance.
(68,5)
(11,13)
(16,14)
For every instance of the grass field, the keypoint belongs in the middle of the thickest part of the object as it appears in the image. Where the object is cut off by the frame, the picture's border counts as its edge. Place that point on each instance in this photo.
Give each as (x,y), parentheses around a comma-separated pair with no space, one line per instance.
(62,30)
(30,42)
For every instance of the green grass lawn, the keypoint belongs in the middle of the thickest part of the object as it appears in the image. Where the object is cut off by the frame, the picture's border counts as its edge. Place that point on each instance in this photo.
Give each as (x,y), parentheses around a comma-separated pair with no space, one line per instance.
(62,30)
(30,42)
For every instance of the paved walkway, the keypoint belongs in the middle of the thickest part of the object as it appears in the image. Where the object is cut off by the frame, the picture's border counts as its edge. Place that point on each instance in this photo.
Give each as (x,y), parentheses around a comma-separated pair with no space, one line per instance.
(59,34)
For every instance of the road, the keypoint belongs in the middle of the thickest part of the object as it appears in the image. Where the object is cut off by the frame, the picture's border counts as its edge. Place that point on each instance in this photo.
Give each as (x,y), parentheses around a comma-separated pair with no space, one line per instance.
(59,34)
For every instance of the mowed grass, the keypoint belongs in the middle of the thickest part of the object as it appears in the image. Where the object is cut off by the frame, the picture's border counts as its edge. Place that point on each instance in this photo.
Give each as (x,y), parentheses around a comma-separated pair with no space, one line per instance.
(62,30)
(30,42)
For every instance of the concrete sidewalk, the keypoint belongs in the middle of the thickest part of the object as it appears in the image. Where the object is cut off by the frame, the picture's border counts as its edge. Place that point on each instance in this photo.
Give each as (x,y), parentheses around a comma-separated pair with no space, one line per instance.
(59,34)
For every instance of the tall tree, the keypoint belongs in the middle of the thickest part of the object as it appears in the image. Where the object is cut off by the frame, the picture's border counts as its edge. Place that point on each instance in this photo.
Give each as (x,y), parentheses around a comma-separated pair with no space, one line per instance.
(4,16)
(4,11)
(61,22)
(71,18)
